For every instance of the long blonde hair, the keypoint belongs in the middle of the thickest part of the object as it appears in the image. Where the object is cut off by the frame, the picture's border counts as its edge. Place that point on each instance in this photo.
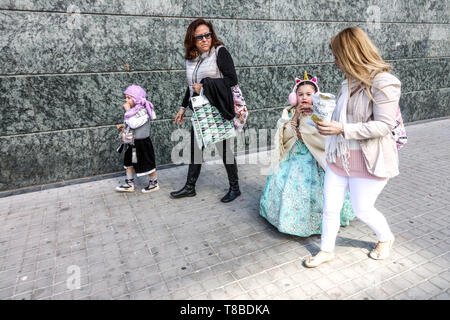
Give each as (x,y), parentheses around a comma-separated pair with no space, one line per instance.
(358,57)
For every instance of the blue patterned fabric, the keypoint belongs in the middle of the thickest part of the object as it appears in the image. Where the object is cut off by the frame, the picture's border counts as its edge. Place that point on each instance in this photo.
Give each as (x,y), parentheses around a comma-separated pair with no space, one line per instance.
(292,199)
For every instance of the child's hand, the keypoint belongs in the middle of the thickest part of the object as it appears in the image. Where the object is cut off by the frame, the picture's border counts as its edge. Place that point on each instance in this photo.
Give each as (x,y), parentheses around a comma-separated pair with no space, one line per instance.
(120,126)
(306,110)
(294,119)
(294,122)
(299,135)
(126,106)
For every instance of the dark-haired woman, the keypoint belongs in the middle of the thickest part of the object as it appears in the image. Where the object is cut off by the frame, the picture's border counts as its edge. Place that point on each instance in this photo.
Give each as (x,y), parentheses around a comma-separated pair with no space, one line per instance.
(209,68)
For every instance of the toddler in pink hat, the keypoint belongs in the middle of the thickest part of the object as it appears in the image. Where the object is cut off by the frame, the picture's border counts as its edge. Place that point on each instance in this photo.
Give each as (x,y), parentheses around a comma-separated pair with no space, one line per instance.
(139,155)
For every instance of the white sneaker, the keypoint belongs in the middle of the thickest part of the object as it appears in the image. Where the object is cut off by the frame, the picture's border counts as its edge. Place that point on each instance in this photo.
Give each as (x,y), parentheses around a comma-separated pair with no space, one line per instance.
(128,186)
(150,188)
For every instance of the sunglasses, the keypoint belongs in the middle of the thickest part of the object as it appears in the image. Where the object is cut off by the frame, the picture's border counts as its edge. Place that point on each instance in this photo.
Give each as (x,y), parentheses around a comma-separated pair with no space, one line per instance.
(206,36)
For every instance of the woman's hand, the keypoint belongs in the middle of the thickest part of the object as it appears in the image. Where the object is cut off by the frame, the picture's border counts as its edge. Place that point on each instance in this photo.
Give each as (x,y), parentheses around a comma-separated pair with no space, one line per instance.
(330,128)
(197,87)
(179,118)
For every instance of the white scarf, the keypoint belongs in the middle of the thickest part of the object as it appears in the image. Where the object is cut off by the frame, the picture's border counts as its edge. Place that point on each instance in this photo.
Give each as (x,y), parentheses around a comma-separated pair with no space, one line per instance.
(336,145)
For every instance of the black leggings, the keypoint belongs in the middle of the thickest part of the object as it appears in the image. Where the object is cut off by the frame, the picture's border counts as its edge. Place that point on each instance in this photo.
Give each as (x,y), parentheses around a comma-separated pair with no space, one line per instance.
(224,150)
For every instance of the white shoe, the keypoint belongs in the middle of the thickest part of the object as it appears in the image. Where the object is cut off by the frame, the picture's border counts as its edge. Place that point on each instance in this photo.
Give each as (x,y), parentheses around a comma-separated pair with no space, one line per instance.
(128,186)
(150,188)
(318,259)
(381,252)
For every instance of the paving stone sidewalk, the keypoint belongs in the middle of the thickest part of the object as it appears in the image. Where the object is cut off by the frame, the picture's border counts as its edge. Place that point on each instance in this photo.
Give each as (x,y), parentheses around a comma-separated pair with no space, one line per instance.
(147,246)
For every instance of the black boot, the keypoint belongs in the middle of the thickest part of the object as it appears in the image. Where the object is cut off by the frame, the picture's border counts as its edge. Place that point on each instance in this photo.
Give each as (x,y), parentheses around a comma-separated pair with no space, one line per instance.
(231,195)
(186,191)
(233,179)
(189,188)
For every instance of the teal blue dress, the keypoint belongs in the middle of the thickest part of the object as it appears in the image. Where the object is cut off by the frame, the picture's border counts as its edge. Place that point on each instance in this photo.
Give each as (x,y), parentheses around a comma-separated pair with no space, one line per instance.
(292,199)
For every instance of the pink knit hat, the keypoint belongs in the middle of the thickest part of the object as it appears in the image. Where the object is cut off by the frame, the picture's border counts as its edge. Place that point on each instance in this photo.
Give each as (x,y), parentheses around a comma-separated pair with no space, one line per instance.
(139,97)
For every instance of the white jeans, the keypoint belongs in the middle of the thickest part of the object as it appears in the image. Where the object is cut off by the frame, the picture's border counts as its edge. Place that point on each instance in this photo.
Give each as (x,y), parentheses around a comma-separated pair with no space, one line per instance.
(363,194)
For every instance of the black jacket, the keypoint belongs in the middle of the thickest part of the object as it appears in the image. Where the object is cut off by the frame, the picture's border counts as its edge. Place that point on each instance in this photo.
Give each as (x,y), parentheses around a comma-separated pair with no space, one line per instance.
(220,96)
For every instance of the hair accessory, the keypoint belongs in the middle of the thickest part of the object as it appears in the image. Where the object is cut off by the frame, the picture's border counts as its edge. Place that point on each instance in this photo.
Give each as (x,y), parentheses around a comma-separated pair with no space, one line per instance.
(293,94)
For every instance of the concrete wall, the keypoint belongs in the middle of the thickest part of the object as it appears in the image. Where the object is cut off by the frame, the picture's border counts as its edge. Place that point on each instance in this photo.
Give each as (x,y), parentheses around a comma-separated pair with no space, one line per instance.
(64,66)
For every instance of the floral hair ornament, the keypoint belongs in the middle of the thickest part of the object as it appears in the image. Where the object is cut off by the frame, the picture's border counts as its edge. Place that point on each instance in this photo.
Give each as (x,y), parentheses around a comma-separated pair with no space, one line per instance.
(293,94)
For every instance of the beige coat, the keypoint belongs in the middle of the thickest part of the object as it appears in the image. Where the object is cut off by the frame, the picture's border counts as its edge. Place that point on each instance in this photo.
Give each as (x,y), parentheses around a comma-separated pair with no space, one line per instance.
(286,137)
(373,123)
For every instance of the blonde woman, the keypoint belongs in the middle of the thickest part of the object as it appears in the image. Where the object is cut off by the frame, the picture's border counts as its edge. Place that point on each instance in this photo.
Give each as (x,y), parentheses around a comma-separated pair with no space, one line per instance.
(360,149)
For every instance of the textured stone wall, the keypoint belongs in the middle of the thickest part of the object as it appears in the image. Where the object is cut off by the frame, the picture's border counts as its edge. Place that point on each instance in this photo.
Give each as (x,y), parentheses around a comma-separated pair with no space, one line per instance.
(64,66)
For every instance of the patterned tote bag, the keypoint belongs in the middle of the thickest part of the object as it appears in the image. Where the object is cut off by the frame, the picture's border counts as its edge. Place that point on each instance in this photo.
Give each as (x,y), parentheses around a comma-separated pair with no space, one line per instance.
(209,125)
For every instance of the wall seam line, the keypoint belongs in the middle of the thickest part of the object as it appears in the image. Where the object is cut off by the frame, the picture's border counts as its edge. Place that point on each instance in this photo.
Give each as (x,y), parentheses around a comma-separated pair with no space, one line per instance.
(183,70)
(220,18)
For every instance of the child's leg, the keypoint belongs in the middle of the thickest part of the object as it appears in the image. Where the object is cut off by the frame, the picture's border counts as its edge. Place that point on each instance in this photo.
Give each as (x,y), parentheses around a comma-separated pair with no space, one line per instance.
(130,173)
(152,184)
(153,178)
(129,185)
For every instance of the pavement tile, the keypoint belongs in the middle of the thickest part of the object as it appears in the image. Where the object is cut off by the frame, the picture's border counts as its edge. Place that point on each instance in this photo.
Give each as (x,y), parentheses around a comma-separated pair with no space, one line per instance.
(118,291)
(6,293)
(311,289)
(412,277)
(297,294)
(243,296)
(324,283)
(195,289)
(440,282)
(433,268)
(158,291)
(67,295)
(416,293)
(321,296)
(350,288)
(336,293)
(258,294)
(430,288)
(250,283)
(442,296)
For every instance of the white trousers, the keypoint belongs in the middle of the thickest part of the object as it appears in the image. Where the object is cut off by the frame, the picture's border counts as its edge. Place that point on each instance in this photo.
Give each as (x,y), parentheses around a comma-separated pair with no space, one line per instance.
(363,194)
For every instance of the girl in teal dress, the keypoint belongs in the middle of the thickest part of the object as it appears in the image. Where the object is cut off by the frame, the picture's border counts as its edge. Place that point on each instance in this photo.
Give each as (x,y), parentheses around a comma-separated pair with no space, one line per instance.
(292,199)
